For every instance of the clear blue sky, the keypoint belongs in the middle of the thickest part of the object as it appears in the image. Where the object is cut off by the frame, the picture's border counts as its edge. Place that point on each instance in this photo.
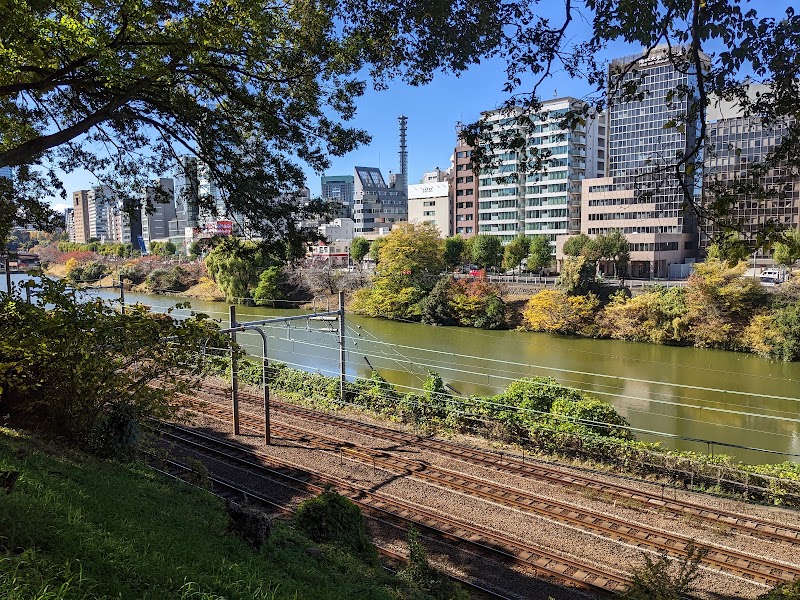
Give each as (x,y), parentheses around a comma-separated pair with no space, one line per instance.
(434,110)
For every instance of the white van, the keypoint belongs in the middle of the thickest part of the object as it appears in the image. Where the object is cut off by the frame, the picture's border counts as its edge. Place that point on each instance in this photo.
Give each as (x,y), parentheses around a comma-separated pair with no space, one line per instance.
(770,277)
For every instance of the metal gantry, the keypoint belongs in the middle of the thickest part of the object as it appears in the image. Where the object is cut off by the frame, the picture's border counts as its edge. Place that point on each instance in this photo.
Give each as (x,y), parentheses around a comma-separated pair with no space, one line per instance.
(258,326)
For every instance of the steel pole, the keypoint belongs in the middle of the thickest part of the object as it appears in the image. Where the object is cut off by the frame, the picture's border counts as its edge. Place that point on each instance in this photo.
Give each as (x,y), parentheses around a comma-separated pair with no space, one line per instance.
(122,293)
(265,382)
(234,373)
(342,378)
(8,273)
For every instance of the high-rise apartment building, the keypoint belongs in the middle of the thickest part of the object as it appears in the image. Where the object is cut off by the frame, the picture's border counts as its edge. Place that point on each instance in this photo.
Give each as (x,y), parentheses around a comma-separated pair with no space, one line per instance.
(69,223)
(515,198)
(98,202)
(463,192)
(642,196)
(80,212)
(338,190)
(377,206)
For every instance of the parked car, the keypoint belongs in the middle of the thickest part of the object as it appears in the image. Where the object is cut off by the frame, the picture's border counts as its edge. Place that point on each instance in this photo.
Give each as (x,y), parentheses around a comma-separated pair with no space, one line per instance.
(768,281)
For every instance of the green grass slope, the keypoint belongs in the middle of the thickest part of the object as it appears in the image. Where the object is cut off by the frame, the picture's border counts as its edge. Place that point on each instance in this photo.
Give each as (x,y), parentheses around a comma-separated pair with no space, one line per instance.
(76,527)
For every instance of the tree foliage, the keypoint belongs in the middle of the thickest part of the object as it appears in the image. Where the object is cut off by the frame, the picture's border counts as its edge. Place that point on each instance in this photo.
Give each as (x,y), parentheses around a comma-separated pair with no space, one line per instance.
(412,255)
(539,254)
(720,303)
(487,250)
(81,369)
(236,266)
(577,275)
(359,248)
(556,312)
(454,251)
(516,251)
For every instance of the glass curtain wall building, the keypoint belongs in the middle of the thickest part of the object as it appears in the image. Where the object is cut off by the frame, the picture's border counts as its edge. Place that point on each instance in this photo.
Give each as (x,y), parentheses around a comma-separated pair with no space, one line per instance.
(643,196)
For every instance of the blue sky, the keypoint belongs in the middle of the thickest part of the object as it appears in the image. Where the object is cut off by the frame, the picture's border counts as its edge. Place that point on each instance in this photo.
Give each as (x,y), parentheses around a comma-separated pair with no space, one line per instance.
(434,110)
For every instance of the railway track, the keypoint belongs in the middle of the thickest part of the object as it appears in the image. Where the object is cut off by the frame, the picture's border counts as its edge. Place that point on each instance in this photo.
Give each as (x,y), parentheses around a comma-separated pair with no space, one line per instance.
(541,562)
(746,524)
(230,491)
(753,568)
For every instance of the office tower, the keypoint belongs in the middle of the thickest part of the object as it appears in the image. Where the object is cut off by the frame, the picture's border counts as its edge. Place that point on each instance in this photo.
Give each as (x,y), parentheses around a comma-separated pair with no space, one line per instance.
(338,190)
(69,223)
(80,207)
(735,144)
(155,224)
(376,205)
(187,193)
(642,195)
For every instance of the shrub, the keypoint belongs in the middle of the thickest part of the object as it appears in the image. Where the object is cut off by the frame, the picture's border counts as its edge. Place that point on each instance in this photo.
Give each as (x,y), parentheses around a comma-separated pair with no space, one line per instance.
(330,518)
(556,312)
(80,369)
(538,394)
(420,573)
(659,317)
(663,579)
(589,414)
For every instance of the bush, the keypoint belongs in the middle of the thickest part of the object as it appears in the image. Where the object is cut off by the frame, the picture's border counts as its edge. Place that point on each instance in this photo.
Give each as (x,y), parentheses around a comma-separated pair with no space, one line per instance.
(87,273)
(663,579)
(80,369)
(420,573)
(175,279)
(587,414)
(330,518)
(557,312)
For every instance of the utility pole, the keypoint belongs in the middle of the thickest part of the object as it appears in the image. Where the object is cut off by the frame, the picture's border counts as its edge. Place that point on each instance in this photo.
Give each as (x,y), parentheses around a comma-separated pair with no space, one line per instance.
(234,372)
(342,378)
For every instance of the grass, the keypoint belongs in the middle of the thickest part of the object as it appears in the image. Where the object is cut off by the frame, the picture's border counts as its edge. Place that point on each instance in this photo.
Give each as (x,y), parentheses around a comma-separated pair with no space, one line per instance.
(77,527)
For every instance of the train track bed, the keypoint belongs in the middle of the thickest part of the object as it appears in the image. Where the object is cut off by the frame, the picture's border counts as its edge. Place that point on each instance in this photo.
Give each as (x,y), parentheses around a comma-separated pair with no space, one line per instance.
(288,486)
(563,537)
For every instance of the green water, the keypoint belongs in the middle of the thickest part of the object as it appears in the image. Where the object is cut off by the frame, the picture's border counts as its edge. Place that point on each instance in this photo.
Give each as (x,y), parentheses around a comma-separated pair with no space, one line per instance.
(726,397)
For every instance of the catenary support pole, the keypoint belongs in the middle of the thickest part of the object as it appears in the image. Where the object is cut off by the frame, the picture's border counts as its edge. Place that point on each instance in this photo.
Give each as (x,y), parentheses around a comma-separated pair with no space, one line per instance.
(122,293)
(265,383)
(8,273)
(234,372)
(342,378)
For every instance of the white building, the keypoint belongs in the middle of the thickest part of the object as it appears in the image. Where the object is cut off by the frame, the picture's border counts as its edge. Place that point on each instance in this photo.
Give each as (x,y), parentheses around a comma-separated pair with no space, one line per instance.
(430,203)
(516,198)
(99,202)
(338,230)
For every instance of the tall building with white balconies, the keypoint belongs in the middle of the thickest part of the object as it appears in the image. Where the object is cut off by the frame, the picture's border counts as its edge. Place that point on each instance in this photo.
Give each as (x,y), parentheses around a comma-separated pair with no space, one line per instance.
(539,199)
(99,202)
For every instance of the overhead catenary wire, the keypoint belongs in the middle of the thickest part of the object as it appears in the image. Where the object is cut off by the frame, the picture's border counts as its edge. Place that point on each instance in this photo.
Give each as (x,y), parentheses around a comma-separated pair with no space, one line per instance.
(479,400)
(417,362)
(728,411)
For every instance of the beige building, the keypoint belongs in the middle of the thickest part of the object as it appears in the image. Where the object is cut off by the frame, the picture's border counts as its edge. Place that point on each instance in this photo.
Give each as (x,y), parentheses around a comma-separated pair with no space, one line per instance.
(430,203)
(80,215)
(656,239)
